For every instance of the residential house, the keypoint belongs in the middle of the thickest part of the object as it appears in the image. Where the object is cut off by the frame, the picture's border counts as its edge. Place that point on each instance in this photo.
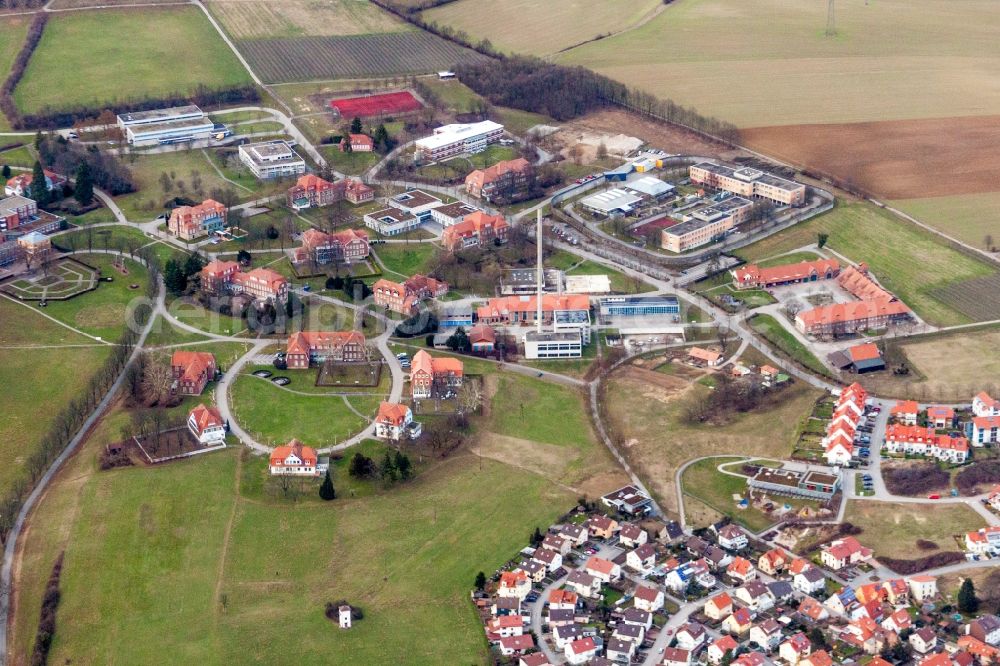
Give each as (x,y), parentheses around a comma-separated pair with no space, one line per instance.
(766,635)
(604,570)
(557,543)
(741,569)
(941,659)
(583,583)
(434,376)
(359,143)
(924,441)
(601,527)
(897,592)
(647,598)
(985,405)
(563,636)
(923,588)
(985,628)
(505,606)
(940,417)
(638,617)
(19,185)
(738,622)
(294,459)
(533,569)
(755,595)
(905,412)
(515,645)
(986,653)
(347,246)
(581,650)
(316,347)
(731,537)
(993,498)
(720,647)
(478,229)
(923,640)
(866,634)
(576,534)
(818,658)
(719,606)
(534,659)
(898,621)
(795,649)
(628,500)
(843,601)
(560,617)
(985,430)
(192,371)
(514,584)
(207,425)
(798,565)
(780,590)
(620,650)
(631,535)
(631,632)
(551,559)
(809,581)
(642,559)
(676,657)
(190,222)
(843,552)
(984,541)
(394,421)
(812,610)
(502,181)
(563,599)
(773,562)
(405,297)
(750,659)
(679,577)
(691,636)
(504,625)
(702,356)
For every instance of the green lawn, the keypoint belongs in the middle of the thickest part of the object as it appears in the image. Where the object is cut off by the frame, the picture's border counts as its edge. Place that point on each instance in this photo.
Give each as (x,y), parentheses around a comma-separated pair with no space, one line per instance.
(968,217)
(705,482)
(102,312)
(275,415)
(205,320)
(575,265)
(17,157)
(907,260)
(780,338)
(540,411)
(13,30)
(792,258)
(406,258)
(164,333)
(128,55)
(892,529)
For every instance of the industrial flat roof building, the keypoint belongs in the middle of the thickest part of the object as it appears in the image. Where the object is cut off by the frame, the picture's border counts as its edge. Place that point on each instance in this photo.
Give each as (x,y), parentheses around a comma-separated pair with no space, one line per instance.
(272,159)
(639,306)
(612,202)
(748,182)
(558,344)
(651,187)
(165,126)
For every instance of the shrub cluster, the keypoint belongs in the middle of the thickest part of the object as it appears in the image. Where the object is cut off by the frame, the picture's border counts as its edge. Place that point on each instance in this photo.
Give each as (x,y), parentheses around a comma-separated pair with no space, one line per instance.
(907,567)
(915,479)
(47,618)
(972,478)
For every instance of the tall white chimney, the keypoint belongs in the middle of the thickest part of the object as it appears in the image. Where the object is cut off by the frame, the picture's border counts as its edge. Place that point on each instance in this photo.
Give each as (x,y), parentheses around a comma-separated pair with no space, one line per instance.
(540,276)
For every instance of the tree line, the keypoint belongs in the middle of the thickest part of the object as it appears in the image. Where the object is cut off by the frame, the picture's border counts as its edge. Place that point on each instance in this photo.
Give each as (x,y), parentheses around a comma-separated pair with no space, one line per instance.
(101,169)
(35,30)
(67,422)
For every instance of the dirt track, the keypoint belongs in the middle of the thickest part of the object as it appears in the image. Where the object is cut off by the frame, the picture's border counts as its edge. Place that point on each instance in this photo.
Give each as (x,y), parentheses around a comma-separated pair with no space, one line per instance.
(893,159)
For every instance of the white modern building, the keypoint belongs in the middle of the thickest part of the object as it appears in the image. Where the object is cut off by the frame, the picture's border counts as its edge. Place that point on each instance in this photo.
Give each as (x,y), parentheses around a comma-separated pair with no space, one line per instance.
(615,201)
(272,159)
(455,139)
(557,344)
(164,126)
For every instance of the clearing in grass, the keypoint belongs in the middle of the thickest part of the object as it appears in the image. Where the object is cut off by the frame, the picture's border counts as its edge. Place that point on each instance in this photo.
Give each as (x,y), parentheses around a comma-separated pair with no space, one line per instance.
(893,530)
(910,262)
(130,54)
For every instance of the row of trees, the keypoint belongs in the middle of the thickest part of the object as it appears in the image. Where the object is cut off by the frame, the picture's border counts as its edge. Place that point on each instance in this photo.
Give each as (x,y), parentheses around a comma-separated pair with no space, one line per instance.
(35,30)
(101,169)
(394,467)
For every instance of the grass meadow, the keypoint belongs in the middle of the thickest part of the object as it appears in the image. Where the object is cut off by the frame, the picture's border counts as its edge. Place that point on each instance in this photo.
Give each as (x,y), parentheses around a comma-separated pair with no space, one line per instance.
(892,530)
(100,57)
(248,19)
(13,30)
(970,218)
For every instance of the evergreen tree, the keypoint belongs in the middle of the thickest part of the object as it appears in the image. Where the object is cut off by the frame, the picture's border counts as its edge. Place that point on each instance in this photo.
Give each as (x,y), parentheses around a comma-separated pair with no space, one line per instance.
(244,257)
(536,537)
(326,490)
(821,239)
(83,192)
(382,137)
(403,465)
(193,264)
(388,468)
(346,145)
(38,190)
(480,581)
(968,602)
(174,278)
(459,341)
(356,125)
(361,466)
(6,171)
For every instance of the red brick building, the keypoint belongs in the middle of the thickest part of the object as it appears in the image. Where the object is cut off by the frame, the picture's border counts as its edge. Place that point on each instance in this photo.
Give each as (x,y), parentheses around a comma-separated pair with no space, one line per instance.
(477,229)
(311,191)
(403,297)
(310,347)
(192,371)
(509,176)
(348,246)
(430,376)
(189,222)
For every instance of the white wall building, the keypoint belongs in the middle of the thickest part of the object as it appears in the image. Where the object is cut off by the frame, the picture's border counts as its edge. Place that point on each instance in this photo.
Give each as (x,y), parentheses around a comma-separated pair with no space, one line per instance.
(272,159)
(455,139)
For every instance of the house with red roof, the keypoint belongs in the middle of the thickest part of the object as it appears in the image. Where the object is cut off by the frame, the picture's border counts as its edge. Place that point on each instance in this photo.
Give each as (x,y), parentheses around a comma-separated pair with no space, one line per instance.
(405,297)
(752,276)
(642,559)
(985,540)
(818,658)
(581,650)
(719,606)
(840,553)
(394,421)
(483,338)
(503,626)
(534,659)
(993,498)
(190,222)
(260,283)
(192,371)
(207,425)
(773,561)
(503,180)
(515,645)
(434,376)
(702,356)
(315,347)
(720,647)
(741,569)
(866,358)
(985,430)
(18,186)
(478,229)
(676,657)
(795,649)
(921,441)
(983,404)
(940,417)
(217,274)
(294,459)
(905,412)
(360,143)
(604,570)
(318,247)
(739,622)
(514,584)
(766,635)
(649,599)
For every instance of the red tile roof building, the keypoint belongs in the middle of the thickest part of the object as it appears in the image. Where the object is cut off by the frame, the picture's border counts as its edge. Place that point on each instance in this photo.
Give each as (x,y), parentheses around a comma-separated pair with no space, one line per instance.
(875,309)
(189,222)
(294,459)
(523,310)
(391,420)
(752,276)
(216,275)
(347,246)
(360,143)
(918,440)
(430,376)
(192,371)
(318,346)
(17,186)
(482,338)
(476,230)
(206,424)
(311,191)
(405,297)
(260,283)
(500,180)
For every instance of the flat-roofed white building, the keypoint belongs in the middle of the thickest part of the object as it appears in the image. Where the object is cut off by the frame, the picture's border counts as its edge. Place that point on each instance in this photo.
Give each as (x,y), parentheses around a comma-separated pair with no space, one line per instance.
(272,159)
(748,182)
(611,202)
(162,126)
(553,344)
(458,138)
(651,187)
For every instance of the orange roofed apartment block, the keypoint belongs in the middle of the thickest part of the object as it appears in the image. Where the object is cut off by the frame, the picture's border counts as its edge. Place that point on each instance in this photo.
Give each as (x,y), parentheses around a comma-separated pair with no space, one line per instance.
(310,347)
(192,371)
(875,309)
(188,222)
(311,191)
(405,297)
(260,283)
(434,376)
(501,180)
(476,230)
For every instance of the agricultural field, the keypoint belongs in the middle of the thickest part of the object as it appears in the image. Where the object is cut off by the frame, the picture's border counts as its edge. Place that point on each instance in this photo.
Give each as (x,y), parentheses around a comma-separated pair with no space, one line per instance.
(13,30)
(646,412)
(118,69)
(915,265)
(543,28)
(971,218)
(250,19)
(30,371)
(892,530)
(351,56)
